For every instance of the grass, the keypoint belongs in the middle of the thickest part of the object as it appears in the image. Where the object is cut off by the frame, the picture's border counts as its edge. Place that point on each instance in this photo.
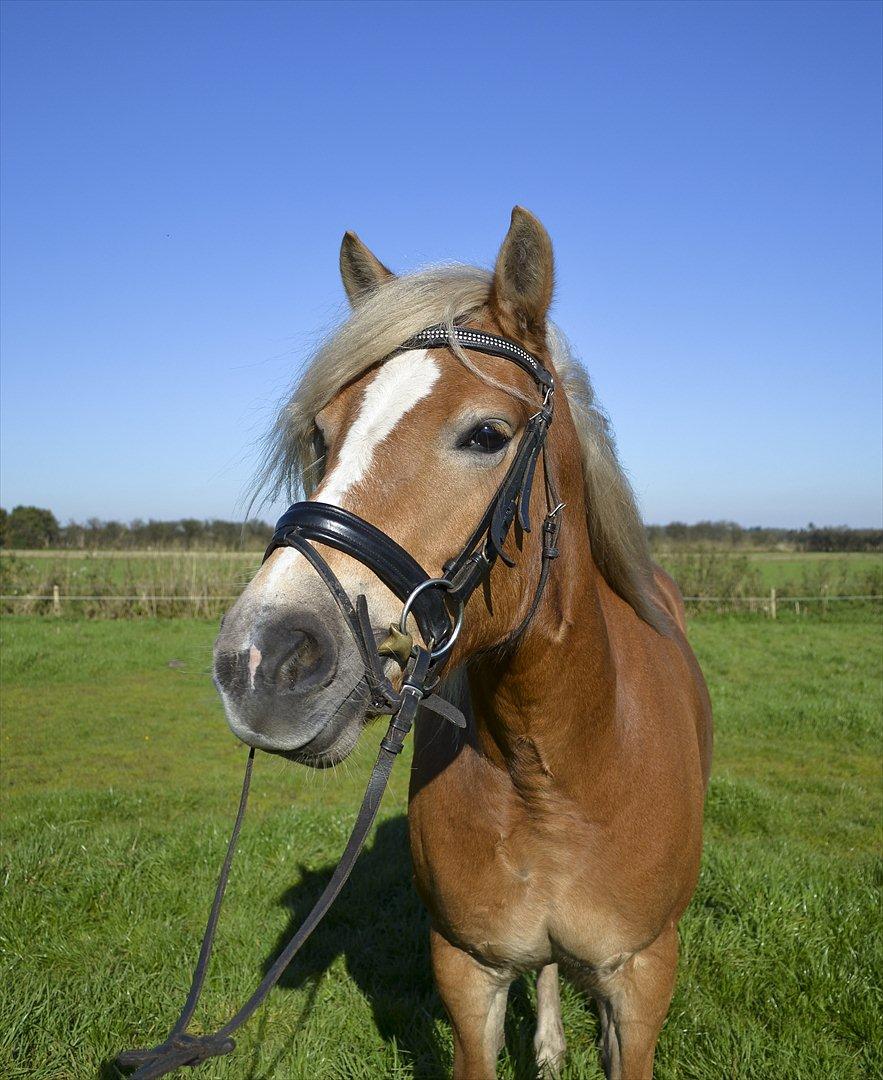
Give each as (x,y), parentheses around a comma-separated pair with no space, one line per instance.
(119,782)
(781,569)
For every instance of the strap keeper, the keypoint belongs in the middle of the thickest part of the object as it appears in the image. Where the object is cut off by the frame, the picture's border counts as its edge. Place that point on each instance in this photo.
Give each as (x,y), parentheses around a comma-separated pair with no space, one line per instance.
(544,413)
(389,742)
(551,528)
(391,747)
(469,575)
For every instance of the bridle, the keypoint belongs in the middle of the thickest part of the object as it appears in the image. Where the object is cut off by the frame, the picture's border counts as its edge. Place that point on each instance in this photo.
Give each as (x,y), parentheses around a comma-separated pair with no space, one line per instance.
(402,575)
(431,602)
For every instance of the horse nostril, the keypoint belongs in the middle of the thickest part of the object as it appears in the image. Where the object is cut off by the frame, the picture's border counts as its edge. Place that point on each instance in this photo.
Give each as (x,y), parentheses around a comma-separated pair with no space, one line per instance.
(283,656)
(300,663)
(229,673)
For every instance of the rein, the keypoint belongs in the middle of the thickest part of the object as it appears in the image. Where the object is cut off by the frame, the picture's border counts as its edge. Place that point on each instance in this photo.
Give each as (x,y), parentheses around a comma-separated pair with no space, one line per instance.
(430,601)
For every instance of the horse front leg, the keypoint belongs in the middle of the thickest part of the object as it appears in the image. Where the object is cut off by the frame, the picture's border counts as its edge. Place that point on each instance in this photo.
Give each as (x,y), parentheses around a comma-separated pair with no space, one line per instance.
(633,1004)
(475,999)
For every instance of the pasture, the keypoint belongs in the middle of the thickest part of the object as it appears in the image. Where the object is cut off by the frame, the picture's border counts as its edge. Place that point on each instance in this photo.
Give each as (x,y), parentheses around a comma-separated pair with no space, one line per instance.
(120,779)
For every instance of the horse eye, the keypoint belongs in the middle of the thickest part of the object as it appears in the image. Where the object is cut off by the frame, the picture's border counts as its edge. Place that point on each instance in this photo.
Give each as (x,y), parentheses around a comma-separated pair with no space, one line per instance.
(487,438)
(319,446)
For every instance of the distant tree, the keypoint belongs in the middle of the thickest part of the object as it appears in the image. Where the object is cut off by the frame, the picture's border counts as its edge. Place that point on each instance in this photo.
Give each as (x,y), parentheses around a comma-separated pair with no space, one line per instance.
(819,538)
(677,530)
(258,531)
(191,529)
(73,535)
(31,527)
(842,538)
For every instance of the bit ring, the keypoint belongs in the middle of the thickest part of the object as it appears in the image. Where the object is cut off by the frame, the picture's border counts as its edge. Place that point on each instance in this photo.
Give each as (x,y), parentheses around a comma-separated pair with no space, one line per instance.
(442,583)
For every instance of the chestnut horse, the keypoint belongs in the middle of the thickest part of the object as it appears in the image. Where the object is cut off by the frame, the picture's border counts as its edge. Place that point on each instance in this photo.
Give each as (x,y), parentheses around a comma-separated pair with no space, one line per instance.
(562,828)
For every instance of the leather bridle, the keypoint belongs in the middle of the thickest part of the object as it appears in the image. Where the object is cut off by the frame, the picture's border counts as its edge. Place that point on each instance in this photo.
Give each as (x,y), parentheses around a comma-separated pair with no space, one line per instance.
(346,531)
(431,601)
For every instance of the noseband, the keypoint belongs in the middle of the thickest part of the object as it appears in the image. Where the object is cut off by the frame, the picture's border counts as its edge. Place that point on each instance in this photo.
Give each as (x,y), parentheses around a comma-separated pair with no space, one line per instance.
(430,600)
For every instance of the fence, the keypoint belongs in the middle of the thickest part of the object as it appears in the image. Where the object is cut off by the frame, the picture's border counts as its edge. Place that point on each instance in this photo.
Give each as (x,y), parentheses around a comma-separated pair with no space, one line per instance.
(210,604)
(771,604)
(120,605)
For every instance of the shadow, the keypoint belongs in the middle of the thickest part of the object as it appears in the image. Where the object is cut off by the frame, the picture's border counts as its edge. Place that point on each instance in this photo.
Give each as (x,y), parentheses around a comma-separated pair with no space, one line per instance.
(380,928)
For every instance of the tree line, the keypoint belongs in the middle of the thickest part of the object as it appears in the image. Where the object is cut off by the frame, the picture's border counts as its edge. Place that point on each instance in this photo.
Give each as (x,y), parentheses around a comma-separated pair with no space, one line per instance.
(729,534)
(31,527)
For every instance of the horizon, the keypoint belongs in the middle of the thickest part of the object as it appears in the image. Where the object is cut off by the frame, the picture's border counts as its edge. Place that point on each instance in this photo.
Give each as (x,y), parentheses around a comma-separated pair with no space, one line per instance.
(176,180)
(84,522)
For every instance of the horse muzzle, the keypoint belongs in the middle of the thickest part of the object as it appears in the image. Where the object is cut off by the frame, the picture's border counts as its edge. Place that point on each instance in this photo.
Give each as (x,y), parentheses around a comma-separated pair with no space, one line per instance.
(291,683)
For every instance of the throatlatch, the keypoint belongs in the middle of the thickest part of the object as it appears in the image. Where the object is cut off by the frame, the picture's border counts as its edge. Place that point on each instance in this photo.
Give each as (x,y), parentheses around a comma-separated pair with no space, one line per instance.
(430,601)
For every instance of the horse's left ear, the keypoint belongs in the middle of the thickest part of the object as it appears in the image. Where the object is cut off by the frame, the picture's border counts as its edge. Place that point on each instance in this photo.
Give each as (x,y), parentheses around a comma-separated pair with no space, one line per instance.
(524,278)
(360,268)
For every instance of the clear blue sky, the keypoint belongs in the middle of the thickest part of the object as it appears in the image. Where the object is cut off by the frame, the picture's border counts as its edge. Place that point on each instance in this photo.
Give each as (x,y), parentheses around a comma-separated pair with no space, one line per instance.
(177,178)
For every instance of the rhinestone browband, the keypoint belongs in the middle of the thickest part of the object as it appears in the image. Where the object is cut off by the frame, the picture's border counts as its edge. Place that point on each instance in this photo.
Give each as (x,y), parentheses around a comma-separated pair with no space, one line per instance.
(481,341)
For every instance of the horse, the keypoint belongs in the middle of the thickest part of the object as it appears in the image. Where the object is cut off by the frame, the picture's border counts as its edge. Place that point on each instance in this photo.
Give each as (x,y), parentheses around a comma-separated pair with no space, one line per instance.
(560,830)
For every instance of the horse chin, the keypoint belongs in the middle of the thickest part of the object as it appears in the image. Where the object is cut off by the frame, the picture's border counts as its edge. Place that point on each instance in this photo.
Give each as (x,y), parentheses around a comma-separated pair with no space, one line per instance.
(324,759)
(335,741)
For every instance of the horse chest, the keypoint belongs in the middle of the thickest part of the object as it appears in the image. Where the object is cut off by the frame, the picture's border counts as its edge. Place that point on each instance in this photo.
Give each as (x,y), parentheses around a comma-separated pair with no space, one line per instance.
(520,902)
(488,897)
(495,883)
(521,885)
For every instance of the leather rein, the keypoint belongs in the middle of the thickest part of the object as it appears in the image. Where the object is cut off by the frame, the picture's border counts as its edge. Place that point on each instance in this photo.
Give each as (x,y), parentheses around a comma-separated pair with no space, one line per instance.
(430,601)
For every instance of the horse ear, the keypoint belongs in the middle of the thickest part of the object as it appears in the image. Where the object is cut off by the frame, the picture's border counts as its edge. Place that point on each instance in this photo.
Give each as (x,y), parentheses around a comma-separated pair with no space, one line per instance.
(360,269)
(524,277)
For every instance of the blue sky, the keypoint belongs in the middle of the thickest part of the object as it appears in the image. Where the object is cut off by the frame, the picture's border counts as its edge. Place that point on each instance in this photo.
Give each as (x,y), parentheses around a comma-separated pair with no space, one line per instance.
(177,177)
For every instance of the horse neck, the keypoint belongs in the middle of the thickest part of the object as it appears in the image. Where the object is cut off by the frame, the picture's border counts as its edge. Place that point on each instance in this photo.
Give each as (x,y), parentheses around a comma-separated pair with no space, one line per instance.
(554,693)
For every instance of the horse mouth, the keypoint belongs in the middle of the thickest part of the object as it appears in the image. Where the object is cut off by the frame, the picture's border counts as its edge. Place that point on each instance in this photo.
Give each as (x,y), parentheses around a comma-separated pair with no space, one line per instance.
(338,738)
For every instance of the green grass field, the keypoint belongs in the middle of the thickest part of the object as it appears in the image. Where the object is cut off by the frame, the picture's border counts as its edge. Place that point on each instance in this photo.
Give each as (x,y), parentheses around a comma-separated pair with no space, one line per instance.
(120,779)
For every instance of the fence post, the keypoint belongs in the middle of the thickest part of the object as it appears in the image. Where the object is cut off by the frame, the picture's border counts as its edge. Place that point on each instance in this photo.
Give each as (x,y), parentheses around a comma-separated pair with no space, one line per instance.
(56,601)
(772,603)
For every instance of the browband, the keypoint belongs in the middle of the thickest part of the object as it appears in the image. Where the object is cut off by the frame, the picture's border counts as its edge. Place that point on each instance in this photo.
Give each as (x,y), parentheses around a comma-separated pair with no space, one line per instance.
(481,341)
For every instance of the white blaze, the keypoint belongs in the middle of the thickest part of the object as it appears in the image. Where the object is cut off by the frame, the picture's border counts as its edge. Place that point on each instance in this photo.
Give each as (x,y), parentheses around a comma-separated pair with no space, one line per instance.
(397,387)
(286,579)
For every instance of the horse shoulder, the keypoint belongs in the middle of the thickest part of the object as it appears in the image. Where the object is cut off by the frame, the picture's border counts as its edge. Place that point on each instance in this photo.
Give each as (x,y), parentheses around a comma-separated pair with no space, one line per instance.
(670,598)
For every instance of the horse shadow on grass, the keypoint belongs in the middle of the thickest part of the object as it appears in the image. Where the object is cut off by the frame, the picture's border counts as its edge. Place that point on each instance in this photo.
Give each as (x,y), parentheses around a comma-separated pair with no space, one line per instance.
(381,929)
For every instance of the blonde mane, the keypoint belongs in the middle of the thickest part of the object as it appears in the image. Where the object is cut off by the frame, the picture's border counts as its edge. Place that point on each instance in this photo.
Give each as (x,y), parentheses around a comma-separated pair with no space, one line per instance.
(394,312)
